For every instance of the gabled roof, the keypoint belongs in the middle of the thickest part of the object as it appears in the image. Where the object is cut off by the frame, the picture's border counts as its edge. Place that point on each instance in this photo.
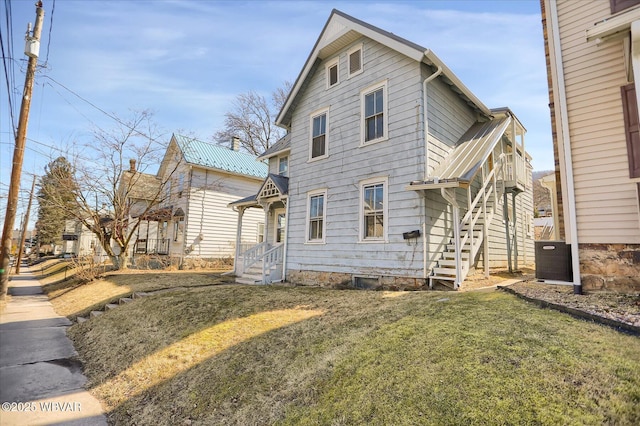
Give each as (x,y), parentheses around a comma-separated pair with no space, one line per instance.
(340,31)
(212,156)
(139,186)
(283,145)
(276,184)
(273,186)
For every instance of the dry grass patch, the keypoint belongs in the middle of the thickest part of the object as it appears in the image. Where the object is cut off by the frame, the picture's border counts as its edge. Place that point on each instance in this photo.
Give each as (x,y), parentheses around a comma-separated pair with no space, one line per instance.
(281,355)
(74,298)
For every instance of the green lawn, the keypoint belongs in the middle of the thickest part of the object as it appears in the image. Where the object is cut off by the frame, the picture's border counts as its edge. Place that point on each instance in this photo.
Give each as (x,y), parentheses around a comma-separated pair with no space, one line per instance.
(282,355)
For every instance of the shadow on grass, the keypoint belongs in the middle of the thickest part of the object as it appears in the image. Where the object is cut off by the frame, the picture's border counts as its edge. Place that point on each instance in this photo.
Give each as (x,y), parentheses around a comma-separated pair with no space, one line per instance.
(82,297)
(202,355)
(188,331)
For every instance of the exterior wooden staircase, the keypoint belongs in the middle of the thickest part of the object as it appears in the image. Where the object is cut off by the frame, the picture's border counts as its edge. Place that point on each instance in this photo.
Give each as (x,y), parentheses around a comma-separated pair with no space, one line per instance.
(470,232)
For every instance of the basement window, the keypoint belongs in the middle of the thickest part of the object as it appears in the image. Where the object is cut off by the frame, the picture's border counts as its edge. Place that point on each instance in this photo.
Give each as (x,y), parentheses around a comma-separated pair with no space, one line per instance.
(366,282)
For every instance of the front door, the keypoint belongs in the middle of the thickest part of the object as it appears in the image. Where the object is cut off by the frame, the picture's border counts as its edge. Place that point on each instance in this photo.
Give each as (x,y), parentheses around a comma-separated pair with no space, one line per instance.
(280,226)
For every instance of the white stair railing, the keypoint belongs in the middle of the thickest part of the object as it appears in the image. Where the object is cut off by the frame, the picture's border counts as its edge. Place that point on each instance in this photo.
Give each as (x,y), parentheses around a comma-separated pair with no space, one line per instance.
(254,255)
(270,261)
(481,210)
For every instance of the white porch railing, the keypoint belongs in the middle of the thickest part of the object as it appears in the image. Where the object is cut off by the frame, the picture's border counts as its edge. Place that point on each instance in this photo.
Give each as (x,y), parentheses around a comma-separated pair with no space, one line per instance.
(252,256)
(271,258)
(517,174)
(272,264)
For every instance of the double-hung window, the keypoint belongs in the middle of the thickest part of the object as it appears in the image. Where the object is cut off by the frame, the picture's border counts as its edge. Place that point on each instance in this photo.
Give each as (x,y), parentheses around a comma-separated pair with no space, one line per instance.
(316,216)
(374,113)
(373,210)
(283,166)
(318,148)
(333,76)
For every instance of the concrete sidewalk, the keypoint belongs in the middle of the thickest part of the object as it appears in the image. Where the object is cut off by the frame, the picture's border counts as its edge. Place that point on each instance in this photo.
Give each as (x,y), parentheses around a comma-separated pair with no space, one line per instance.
(41,382)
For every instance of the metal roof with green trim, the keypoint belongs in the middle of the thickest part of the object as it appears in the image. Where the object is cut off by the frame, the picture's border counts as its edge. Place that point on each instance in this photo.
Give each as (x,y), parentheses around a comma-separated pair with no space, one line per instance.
(212,156)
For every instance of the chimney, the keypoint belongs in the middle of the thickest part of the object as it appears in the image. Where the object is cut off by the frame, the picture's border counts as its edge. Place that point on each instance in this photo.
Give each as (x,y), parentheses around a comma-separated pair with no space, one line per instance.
(132,165)
(235,143)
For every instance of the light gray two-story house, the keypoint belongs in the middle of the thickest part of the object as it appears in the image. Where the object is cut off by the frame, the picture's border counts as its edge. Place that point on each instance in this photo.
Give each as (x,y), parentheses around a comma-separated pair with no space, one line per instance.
(392,173)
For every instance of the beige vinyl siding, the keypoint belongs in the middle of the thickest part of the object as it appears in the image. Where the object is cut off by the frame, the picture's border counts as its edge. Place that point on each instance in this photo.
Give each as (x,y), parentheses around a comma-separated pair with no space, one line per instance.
(606,199)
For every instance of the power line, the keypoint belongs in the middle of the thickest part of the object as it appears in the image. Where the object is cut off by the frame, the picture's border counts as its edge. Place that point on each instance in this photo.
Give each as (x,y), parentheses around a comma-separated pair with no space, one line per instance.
(7,56)
(113,117)
(53,9)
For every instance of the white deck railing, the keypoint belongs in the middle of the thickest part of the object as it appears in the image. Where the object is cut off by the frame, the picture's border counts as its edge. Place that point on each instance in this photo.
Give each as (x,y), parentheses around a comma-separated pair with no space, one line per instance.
(517,174)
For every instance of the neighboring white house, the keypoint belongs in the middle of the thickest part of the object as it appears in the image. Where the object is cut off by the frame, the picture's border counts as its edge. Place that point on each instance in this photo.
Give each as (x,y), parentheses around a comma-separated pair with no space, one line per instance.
(593,62)
(192,219)
(392,174)
(77,239)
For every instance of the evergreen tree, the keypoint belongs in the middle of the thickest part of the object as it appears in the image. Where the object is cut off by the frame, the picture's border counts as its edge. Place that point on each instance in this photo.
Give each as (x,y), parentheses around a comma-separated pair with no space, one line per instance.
(56,200)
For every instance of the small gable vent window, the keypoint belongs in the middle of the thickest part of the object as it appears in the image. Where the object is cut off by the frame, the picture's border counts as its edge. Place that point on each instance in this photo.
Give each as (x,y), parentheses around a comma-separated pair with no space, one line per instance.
(355,60)
(332,73)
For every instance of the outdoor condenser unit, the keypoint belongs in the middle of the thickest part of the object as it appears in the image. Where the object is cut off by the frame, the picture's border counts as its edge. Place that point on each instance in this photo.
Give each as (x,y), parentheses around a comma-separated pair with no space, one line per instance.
(553,261)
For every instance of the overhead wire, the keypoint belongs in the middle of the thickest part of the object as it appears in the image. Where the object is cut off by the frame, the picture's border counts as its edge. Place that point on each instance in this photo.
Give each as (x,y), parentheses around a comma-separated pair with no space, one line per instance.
(7,61)
(53,9)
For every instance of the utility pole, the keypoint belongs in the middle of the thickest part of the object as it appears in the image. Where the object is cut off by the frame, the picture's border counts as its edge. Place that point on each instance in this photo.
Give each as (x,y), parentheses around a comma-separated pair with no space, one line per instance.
(32,48)
(24,228)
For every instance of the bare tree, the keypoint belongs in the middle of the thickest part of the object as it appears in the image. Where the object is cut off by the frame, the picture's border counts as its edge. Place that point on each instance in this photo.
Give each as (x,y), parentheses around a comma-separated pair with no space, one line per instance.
(252,118)
(110,189)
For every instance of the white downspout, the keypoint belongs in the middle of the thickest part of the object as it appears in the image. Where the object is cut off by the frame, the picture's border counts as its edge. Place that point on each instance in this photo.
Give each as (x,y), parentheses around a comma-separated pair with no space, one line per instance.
(426,118)
(425,109)
(566,148)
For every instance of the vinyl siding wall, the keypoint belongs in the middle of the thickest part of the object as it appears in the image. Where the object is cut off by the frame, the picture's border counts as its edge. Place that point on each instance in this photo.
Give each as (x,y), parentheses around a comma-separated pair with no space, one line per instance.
(606,198)
(211,224)
(400,160)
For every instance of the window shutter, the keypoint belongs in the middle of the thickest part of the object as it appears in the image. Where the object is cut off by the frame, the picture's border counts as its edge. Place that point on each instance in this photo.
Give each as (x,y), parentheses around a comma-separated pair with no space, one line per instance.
(618,5)
(632,129)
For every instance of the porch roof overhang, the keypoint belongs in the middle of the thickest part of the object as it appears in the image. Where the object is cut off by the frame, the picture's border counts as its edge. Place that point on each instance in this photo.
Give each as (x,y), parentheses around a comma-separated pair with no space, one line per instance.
(250,201)
(471,152)
(274,187)
(156,215)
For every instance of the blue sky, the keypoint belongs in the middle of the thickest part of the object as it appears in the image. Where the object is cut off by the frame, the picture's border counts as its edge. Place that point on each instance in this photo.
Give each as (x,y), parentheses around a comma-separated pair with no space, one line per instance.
(186,60)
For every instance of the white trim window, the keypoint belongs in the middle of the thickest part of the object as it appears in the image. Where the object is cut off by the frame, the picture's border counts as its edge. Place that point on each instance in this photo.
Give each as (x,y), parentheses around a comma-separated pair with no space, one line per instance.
(373,209)
(374,113)
(260,232)
(354,60)
(283,166)
(319,137)
(180,184)
(333,73)
(316,216)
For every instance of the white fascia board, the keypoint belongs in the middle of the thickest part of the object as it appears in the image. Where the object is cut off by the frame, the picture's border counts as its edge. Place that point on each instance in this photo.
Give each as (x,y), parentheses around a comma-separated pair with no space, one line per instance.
(432,59)
(612,27)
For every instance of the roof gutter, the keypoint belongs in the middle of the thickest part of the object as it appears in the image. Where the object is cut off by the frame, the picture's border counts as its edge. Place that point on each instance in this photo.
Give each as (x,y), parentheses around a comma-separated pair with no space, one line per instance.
(434,60)
(566,148)
(425,108)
